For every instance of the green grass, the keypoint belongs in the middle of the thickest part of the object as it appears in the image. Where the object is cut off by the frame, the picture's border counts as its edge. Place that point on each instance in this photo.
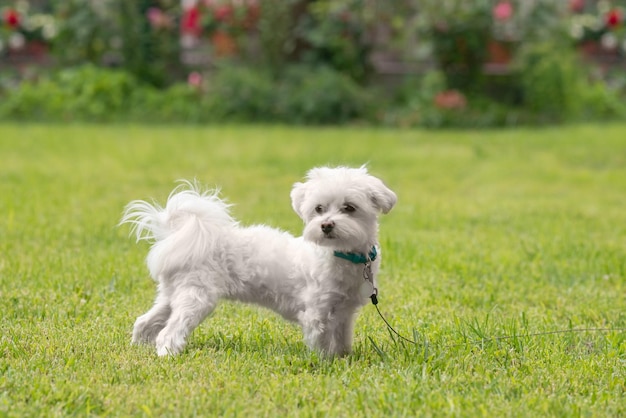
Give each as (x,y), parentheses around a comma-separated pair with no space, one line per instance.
(496,233)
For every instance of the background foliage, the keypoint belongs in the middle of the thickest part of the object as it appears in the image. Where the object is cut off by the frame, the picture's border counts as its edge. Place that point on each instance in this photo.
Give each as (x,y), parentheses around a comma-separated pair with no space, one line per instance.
(328,51)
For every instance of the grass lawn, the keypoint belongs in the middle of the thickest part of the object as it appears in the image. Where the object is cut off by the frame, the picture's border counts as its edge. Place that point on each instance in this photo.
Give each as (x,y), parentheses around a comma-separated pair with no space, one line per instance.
(496,233)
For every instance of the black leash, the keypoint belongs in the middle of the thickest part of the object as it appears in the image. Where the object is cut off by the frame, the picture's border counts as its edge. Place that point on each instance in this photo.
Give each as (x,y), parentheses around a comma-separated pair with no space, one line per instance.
(374,299)
(375,303)
(367,275)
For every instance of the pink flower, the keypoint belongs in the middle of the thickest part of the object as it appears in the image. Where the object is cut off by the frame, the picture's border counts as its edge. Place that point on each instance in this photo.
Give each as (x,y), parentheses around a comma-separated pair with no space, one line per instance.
(158,19)
(503,10)
(194,79)
(576,5)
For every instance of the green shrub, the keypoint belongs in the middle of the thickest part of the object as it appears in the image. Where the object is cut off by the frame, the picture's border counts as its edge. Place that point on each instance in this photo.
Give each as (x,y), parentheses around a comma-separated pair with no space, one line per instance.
(31,101)
(600,102)
(176,104)
(84,93)
(119,32)
(332,33)
(242,94)
(553,89)
(85,30)
(555,86)
(414,103)
(551,80)
(320,95)
(415,106)
(303,95)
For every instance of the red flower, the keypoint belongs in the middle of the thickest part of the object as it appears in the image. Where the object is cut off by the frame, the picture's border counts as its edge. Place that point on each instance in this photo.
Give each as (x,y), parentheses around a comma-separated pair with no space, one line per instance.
(11,18)
(190,21)
(613,18)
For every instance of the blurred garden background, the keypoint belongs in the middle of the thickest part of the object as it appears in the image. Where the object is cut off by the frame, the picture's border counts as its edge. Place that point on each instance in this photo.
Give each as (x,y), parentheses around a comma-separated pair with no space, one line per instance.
(426,63)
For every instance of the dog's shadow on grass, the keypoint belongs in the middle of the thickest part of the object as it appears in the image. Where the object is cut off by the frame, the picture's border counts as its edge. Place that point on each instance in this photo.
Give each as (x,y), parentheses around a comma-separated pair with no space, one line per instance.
(283,356)
(242,342)
(289,353)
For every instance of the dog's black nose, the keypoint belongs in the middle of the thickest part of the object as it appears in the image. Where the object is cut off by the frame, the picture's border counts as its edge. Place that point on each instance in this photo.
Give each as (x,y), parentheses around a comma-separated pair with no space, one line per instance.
(327,227)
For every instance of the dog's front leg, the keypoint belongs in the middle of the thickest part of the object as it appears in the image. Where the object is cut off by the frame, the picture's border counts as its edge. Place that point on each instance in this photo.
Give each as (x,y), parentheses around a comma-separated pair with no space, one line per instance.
(336,340)
(329,332)
(340,342)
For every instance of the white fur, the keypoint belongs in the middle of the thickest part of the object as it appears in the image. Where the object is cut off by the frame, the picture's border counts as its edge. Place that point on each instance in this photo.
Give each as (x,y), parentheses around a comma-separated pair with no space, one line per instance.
(200,255)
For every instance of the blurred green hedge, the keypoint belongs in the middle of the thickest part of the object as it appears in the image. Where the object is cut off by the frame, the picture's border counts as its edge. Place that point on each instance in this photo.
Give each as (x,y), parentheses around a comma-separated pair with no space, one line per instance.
(90,93)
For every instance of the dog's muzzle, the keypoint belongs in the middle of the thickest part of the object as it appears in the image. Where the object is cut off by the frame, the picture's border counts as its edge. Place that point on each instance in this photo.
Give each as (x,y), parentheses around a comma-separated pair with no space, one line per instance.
(327,227)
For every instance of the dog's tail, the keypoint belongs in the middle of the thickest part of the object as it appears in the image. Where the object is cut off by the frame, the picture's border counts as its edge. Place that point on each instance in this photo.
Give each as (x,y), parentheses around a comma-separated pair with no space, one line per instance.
(184,231)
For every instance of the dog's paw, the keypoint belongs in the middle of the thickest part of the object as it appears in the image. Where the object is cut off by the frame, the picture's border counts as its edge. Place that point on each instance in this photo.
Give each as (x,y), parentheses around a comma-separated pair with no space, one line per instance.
(144,333)
(141,340)
(168,346)
(165,352)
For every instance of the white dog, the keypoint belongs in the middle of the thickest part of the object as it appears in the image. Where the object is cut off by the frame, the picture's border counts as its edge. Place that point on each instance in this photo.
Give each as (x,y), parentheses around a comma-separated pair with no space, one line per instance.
(200,255)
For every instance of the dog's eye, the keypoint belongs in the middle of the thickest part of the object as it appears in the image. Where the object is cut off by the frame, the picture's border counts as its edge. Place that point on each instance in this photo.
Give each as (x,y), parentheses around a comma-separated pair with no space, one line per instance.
(348,208)
(319,209)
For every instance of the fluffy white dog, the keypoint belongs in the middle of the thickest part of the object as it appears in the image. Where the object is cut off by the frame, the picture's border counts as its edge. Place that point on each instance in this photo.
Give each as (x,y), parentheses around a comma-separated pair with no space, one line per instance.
(200,255)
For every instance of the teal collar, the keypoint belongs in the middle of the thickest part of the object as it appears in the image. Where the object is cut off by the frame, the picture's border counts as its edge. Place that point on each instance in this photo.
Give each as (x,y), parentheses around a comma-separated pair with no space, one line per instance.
(358,258)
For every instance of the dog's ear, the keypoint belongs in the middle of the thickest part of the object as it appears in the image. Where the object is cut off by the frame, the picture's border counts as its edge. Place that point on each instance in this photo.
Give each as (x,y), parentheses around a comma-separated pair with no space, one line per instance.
(383,197)
(297,198)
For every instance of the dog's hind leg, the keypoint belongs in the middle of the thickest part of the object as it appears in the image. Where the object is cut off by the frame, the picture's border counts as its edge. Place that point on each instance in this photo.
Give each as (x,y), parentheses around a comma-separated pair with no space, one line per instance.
(148,325)
(190,305)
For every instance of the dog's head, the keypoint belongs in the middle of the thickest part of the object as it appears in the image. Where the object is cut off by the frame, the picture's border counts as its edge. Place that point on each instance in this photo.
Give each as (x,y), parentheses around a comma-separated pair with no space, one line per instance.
(340,207)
